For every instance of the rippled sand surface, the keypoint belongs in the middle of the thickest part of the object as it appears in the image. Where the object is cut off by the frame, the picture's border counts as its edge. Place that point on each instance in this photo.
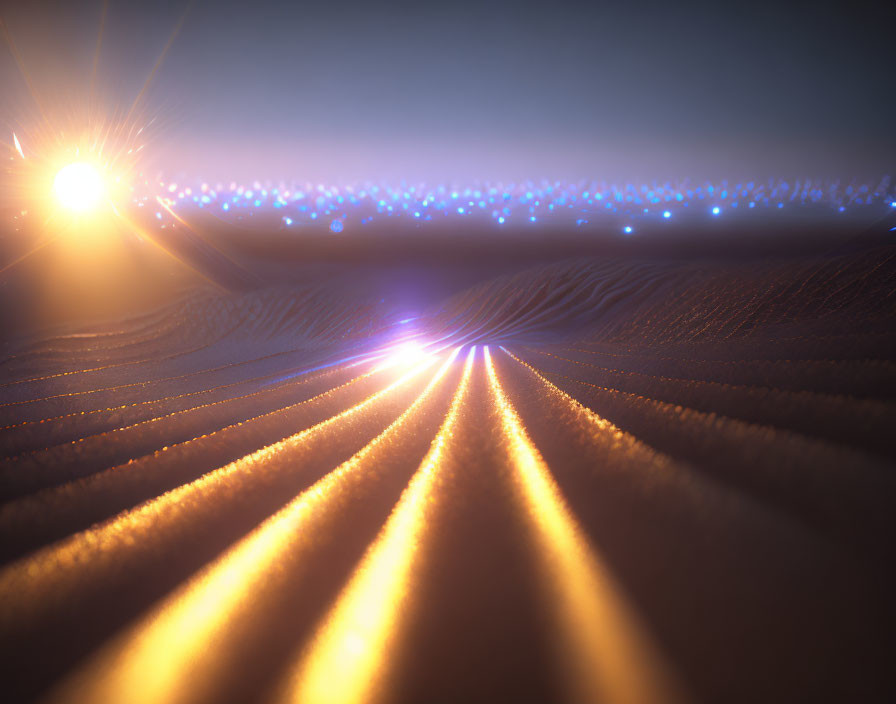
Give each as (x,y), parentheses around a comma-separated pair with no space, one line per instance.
(601,478)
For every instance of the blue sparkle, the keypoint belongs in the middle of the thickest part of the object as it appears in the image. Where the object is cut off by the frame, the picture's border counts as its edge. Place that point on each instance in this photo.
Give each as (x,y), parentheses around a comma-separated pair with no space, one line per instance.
(667,214)
(336,226)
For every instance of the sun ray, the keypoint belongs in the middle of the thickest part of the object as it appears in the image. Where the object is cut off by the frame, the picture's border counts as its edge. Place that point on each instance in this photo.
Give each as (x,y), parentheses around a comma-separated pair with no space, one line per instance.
(96,53)
(26,76)
(41,243)
(158,64)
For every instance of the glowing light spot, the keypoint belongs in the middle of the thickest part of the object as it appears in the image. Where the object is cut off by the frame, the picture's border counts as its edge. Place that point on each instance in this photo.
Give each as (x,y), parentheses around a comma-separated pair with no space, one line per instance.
(22,154)
(78,187)
(716,210)
(405,355)
(627,229)
(667,214)
(336,226)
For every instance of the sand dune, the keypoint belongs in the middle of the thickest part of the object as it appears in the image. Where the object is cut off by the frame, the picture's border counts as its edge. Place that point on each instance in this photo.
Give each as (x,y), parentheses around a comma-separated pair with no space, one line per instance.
(599,479)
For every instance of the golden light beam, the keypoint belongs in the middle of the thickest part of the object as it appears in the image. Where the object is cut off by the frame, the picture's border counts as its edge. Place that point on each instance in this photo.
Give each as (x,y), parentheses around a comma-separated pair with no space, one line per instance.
(41,577)
(166,657)
(347,660)
(607,654)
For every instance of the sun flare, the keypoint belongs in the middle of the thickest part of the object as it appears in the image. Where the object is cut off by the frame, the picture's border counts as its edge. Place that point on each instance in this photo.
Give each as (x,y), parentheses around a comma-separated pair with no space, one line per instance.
(79,187)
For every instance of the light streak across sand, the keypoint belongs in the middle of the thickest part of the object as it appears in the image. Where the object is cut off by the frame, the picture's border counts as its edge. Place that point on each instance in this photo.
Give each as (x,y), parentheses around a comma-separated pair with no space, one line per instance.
(607,654)
(173,641)
(347,660)
(255,565)
(47,570)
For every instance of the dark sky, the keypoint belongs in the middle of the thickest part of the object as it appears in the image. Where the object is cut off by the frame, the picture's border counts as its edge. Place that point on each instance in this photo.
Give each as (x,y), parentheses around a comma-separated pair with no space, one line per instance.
(342,90)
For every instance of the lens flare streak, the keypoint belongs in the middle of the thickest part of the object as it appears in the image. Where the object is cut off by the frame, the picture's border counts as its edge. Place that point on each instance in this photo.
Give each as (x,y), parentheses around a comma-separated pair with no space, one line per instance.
(18,145)
(346,661)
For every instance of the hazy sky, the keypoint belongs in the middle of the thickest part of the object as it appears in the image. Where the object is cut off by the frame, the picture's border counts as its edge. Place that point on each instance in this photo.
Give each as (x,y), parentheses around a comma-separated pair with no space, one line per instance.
(342,90)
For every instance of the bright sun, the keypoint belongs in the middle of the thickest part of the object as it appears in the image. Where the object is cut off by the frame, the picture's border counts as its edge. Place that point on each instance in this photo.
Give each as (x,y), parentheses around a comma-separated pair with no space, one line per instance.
(79,187)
